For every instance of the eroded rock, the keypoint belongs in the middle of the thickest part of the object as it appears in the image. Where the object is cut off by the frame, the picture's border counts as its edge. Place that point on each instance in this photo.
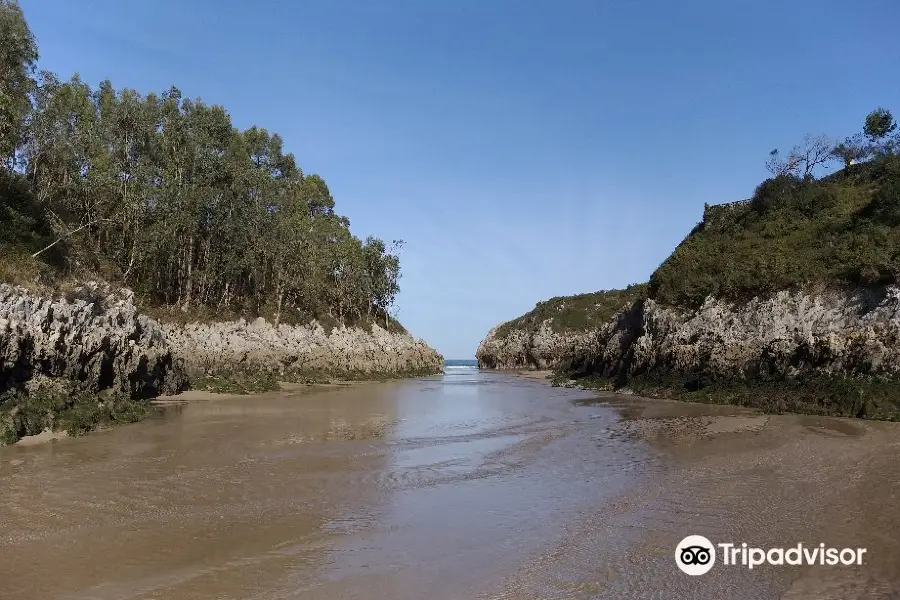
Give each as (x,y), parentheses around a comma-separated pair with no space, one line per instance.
(787,334)
(95,338)
(261,346)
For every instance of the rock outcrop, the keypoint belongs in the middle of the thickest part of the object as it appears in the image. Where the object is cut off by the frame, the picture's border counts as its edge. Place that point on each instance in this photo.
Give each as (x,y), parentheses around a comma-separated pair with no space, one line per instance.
(785,335)
(526,349)
(554,329)
(95,338)
(261,346)
(90,358)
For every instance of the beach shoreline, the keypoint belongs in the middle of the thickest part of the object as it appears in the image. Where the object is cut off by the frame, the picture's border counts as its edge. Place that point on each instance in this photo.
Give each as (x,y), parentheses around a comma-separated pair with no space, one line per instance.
(728,473)
(736,474)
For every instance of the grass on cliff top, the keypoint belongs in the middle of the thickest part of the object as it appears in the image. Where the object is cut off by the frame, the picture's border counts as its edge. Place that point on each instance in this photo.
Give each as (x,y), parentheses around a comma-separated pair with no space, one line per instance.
(841,230)
(575,313)
(207,314)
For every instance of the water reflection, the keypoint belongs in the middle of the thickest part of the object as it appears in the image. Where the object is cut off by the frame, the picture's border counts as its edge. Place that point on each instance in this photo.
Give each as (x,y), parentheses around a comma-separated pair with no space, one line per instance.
(425,488)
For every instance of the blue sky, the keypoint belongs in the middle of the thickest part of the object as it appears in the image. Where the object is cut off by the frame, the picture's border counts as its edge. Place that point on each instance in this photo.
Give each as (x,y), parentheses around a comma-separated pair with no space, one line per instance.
(523,149)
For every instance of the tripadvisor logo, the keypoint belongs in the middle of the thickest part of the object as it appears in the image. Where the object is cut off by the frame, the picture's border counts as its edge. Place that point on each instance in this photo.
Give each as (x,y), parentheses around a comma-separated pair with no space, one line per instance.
(696,555)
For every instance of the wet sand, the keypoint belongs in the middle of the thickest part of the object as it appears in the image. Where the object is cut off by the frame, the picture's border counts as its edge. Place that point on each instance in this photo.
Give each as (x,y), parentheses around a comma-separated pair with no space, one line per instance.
(474,485)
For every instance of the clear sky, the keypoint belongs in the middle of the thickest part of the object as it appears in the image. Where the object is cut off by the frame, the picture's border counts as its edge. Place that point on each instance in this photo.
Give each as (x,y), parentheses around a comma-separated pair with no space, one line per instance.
(523,149)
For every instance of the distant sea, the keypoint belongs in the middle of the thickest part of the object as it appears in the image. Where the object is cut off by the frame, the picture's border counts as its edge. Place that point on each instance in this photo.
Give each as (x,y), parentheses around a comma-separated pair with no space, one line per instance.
(461,370)
(467,363)
(460,363)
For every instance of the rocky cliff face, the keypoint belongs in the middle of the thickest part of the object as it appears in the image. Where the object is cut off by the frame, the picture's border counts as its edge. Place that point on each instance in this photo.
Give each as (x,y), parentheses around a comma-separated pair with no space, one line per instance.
(788,334)
(95,338)
(261,346)
(89,358)
(521,349)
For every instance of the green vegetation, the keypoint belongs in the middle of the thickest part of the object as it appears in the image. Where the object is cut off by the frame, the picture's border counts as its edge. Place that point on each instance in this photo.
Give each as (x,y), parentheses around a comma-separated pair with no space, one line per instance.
(794,233)
(161,193)
(235,382)
(63,407)
(575,313)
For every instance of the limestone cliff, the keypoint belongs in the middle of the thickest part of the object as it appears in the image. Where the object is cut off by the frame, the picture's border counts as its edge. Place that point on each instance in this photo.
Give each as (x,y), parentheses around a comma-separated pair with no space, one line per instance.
(89,358)
(553,331)
(95,337)
(836,336)
(261,346)
(785,335)
(789,300)
(541,348)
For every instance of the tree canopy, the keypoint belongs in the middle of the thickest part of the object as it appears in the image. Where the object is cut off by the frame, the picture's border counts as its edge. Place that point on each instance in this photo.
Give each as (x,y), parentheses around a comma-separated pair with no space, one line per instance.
(164,194)
(18,54)
(879,123)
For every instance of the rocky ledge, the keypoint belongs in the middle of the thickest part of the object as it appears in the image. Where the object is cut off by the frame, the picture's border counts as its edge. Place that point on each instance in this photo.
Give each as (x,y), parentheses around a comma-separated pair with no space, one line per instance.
(90,358)
(783,336)
(94,337)
(285,349)
(829,352)
(838,332)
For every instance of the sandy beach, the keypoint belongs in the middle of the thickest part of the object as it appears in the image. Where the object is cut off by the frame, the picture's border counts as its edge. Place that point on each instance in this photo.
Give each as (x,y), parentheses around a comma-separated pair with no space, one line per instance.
(472,485)
(735,475)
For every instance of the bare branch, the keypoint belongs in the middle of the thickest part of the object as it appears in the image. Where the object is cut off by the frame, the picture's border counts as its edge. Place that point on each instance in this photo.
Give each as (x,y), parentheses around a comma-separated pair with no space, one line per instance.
(782,166)
(803,159)
(816,151)
(71,233)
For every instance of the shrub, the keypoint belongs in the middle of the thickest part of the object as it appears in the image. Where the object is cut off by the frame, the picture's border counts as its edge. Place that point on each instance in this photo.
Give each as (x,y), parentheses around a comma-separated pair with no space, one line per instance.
(840,230)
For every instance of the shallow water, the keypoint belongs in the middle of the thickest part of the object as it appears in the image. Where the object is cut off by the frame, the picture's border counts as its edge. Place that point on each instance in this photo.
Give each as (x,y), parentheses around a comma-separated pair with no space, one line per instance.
(436,487)
(470,485)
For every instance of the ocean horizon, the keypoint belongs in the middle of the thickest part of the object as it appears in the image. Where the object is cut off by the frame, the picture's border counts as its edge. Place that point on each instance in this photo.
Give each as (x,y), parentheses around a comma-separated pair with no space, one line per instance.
(460,362)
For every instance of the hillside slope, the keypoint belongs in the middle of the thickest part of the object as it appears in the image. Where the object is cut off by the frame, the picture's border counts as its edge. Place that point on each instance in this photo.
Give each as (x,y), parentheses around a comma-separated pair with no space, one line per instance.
(788,301)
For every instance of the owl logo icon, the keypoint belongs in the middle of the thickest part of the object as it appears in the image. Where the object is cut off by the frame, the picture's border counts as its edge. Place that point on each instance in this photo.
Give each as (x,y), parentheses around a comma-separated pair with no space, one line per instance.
(695,555)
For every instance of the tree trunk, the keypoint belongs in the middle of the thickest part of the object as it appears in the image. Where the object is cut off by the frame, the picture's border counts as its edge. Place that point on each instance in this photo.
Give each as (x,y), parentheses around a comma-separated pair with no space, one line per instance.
(189,282)
(278,301)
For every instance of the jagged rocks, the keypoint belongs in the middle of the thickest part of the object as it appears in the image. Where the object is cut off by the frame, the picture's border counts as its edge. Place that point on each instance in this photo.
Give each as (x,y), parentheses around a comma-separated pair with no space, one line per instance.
(89,358)
(788,334)
(525,349)
(261,346)
(94,338)
(785,335)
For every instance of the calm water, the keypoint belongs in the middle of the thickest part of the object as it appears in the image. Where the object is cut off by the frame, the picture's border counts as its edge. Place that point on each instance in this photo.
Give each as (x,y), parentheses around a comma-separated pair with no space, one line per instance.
(439,487)
(469,485)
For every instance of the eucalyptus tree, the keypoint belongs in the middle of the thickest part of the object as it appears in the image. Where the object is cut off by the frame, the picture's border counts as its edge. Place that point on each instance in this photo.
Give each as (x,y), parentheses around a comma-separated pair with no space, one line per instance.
(18,57)
(163,193)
